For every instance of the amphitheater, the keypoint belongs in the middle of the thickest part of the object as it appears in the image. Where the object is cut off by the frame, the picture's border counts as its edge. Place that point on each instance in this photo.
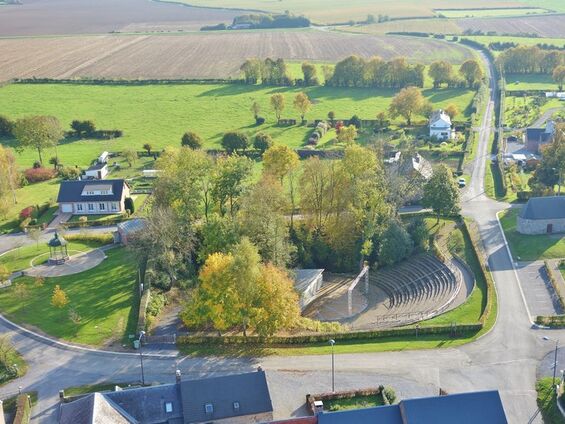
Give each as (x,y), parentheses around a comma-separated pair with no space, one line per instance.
(413,290)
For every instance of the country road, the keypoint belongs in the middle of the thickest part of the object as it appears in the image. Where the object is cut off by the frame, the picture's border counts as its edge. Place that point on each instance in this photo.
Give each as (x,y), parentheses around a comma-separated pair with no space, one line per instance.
(506,359)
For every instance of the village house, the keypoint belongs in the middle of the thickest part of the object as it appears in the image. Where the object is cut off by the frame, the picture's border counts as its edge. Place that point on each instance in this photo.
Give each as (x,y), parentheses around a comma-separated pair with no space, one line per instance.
(535,138)
(542,215)
(89,197)
(440,126)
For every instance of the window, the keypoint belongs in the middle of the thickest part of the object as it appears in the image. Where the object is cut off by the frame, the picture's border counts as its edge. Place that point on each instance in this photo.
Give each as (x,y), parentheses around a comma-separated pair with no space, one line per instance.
(114,207)
(91,206)
(101,206)
(236,406)
(168,407)
(209,408)
(79,207)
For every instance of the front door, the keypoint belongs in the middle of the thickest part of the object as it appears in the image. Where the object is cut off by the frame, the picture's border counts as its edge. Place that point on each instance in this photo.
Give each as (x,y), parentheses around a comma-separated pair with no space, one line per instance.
(549,228)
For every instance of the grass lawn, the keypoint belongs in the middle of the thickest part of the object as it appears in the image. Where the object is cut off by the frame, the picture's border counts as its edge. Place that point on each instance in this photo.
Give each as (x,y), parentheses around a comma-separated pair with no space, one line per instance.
(516,82)
(105,298)
(160,114)
(530,248)
(20,258)
(547,402)
(356,402)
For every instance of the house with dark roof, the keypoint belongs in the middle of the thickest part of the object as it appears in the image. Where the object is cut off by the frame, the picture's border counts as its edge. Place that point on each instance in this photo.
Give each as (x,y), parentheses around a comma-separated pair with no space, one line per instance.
(89,197)
(463,408)
(535,138)
(542,215)
(234,399)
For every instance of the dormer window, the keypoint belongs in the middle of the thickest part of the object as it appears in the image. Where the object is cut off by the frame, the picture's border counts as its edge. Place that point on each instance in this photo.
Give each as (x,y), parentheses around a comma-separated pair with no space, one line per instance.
(236,406)
(168,407)
(209,408)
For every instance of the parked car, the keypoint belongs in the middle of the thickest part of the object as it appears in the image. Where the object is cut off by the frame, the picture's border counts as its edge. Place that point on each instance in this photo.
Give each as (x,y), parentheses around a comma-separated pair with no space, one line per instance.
(462,183)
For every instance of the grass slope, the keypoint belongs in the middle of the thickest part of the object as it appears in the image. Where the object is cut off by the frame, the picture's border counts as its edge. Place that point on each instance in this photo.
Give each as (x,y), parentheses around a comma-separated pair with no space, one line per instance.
(547,402)
(105,298)
(160,114)
(530,248)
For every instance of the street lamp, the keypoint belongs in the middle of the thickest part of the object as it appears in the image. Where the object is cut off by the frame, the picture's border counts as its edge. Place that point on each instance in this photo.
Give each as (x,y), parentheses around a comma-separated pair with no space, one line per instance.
(555,355)
(332,343)
(141,335)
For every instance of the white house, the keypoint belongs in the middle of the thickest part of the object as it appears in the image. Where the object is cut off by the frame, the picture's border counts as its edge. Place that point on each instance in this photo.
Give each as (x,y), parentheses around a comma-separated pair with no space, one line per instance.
(89,197)
(97,171)
(440,125)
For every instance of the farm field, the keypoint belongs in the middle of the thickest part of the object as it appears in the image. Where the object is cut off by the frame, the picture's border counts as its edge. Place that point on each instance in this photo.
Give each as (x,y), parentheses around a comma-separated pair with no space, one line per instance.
(104,297)
(207,109)
(200,55)
(430,25)
(37,17)
(490,12)
(552,26)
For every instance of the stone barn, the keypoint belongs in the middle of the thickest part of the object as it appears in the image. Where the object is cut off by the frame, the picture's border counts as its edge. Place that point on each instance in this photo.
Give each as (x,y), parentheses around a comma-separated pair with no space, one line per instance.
(542,215)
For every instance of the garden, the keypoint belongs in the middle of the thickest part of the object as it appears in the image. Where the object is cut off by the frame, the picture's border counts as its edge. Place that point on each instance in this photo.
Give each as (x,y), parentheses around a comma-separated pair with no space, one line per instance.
(97,307)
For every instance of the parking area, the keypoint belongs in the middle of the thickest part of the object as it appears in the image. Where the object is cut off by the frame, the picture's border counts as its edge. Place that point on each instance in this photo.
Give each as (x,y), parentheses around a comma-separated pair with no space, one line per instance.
(539,292)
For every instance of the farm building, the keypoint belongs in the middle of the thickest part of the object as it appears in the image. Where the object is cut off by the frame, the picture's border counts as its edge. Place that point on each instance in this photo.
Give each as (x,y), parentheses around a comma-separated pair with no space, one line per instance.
(97,171)
(542,215)
(537,137)
(440,125)
(89,197)
(307,282)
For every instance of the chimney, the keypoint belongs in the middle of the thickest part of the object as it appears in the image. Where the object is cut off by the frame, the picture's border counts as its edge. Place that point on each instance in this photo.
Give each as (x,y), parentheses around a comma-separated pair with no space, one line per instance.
(177,375)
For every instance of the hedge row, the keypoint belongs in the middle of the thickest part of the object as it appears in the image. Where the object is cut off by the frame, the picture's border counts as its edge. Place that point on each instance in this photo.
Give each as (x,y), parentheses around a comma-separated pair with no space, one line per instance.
(555,285)
(552,321)
(459,329)
(99,223)
(23,409)
(104,238)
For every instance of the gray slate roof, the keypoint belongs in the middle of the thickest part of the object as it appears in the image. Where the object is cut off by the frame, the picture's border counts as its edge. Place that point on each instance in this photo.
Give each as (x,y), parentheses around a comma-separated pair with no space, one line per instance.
(147,404)
(94,409)
(97,166)
(71,191)
(249,390)
(552,207)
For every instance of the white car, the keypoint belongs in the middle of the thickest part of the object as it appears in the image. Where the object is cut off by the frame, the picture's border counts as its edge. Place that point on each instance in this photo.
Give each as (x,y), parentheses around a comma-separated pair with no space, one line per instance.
(462,183)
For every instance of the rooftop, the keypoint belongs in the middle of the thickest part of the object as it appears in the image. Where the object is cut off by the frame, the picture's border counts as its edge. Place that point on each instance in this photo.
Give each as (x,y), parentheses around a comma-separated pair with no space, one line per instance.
(72,191)
(552,207)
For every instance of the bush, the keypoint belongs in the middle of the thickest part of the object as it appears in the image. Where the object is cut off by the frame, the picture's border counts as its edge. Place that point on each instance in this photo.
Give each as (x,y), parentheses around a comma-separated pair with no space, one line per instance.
(262,142)
(192,140)
(26,212)
(101,238)
(233,141)
(129,205)
(157,302)
(25,223)
(69,173)
(389,394)
(36,175)
(6,127)
(83,128)
(259,120)
(355,121)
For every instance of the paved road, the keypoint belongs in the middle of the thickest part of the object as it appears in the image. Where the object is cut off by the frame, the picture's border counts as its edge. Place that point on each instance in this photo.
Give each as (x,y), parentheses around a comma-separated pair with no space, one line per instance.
(506,359)
(540,294)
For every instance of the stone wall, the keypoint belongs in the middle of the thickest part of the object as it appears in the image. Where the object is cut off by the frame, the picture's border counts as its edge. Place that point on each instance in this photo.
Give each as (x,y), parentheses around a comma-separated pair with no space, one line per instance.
(539,226)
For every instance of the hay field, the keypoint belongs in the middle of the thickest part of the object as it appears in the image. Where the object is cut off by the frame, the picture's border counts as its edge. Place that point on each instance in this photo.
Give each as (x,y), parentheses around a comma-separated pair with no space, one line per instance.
(54,17)
(552,26)
(199,55)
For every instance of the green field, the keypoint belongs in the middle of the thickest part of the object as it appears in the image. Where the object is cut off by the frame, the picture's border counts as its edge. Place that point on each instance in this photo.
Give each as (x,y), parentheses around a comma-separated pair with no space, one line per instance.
(354,402)
(105,297)
(531,248)
(22,257)
(160,114)
(518,82)
(525,41)
(486,13)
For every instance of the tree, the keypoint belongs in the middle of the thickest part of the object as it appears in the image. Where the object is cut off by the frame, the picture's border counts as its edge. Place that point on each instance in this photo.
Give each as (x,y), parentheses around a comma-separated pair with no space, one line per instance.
(452,111)
(407,103)
(256,109)
(9,176)
(192,140)
(234,141)
(35,235)
(262,142)
(551,169)
(347,134)
(130,156)
(559,76)
(441,193)
(355,121)
(471,72)
(54,160)
(252,69)
(147,147)
(37,132)
(277,103)
(279,160)
(310,74)
(83,128)
(302,104)
(441,72)
(381,119)
(395,244)
(6,126)
(262,219)
(59,298)
(230,181)
(129,205)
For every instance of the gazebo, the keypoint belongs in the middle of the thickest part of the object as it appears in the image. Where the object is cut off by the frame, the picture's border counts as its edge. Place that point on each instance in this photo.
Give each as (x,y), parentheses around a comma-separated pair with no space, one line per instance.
(57,250)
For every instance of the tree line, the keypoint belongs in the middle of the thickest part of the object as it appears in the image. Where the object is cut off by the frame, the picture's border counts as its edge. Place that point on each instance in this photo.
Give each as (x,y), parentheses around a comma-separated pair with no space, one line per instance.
(355,71)
(530,60)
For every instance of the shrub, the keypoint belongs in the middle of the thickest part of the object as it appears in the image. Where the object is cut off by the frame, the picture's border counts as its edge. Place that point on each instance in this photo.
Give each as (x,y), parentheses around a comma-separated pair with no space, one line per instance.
(192,140)
(83,128)
(69,173)
(26,212)
(389,394)
(233,141)
(6,127)
(102,238)
(37,164)
(157,302)
(355,121)
(262,142)
(25,223)
(35,175)
(129,205)
(259,120)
